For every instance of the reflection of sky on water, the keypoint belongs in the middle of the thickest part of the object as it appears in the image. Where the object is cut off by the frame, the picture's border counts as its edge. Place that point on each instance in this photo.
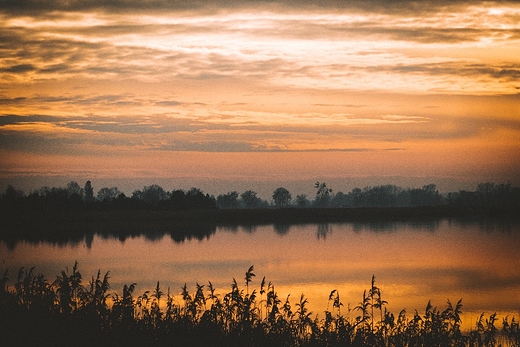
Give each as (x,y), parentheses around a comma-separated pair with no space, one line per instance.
(413,263)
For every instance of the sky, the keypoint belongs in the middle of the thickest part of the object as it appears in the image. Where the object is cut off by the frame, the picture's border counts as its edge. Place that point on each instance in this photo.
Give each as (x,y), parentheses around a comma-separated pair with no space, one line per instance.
(222,93)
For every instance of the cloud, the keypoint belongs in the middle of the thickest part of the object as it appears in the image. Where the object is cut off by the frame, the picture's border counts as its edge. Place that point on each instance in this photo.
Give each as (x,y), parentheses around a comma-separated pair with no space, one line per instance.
(16,119)
(325,49)
(168,103)
(356,76)
(12,101)
(16,69)
(400,6)
(234,132)
(208,146)
(505,72)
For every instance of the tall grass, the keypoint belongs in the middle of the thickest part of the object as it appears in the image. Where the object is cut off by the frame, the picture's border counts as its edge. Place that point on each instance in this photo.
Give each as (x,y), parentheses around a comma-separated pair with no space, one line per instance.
(68,311)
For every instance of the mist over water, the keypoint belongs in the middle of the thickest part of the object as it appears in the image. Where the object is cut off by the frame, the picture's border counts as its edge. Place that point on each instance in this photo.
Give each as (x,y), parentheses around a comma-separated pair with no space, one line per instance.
(413,262)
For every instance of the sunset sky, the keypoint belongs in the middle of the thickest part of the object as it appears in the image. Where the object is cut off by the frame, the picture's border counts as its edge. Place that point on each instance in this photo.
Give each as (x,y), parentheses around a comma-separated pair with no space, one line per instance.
(181,92)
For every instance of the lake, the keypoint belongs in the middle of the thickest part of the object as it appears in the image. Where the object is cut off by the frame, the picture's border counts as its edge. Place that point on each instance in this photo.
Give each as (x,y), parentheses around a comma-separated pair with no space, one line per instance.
(412,263)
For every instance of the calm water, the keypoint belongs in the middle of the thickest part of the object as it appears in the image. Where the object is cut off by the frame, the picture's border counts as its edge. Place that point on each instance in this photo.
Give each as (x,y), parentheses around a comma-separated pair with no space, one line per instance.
(413,263)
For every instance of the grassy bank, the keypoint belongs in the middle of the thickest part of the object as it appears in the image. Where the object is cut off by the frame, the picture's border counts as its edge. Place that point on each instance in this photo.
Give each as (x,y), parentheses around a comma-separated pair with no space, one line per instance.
(65,311)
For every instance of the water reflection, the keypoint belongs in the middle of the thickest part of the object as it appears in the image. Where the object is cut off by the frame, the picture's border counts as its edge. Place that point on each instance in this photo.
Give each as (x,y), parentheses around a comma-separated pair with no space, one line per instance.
(413,262)
(323,230)
(178,235)
(385,226)
(282,229)
(199,233)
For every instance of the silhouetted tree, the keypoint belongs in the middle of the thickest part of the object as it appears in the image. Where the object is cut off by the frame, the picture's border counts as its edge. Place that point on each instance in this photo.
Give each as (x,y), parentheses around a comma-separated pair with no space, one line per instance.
(12,199)
(463,198)
(11,193)
(196,199)
(192,199)
(281,197)
(229,200)
(358,198)
(493,196)
(382,196)
(88,191)
(74,190)
(379,196)
(340,200)
(108,194)
(250,199)
(150,194)
(427,196)
(323,194)
(177,199)
(302,201)
(489,198)
(54,198)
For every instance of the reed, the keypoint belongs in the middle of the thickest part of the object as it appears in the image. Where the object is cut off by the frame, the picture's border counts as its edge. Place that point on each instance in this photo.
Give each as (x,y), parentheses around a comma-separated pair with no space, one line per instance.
(68,312)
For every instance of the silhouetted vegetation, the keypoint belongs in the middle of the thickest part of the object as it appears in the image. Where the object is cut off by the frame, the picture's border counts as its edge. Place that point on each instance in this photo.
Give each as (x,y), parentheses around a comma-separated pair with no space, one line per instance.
(282,197)
(70,312)
(487,197)
(68,214)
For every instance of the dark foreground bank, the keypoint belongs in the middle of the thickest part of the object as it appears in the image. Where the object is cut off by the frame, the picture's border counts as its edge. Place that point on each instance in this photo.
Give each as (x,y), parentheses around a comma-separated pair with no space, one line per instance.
(67,312)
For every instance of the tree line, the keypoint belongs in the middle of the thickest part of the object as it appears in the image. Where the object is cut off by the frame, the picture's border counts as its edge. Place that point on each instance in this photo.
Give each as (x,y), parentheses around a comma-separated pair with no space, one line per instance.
(488,196)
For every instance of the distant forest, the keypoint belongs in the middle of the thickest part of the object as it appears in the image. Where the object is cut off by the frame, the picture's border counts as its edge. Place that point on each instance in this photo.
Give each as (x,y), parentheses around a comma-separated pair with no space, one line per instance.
(487,196)
(75,213)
